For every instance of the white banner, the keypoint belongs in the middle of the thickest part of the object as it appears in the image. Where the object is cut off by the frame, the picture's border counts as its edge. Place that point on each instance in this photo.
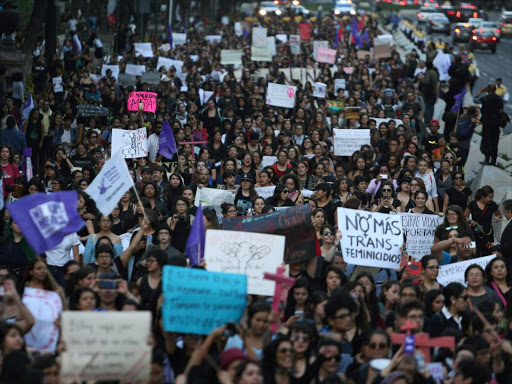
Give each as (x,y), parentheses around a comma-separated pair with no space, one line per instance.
(246,253)
(133,69)
(379,121)
(282,37)
(281,95)
(259,37)
(271,44)
(168,63)
(454,273)
(211,197)
(265,192)
(347,141)
(211,39)
(260,54)
(319,44)
(231,56)
(325,55)
(419,231)
(179,38)
(106,346)
(267,161)
(132,144)
(319,90)
(143,49)
(46,307)
(295,44)
(238,29)
(369,238)
(113,68)
(111,183)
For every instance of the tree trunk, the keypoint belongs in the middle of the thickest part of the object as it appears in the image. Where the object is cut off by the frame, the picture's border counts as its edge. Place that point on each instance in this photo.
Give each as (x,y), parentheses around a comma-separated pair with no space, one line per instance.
(34,27)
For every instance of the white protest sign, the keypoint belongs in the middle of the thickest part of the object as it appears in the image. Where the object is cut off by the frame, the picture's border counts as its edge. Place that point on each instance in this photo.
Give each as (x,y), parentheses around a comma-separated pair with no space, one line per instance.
(267,161)
(370,238)
(246,253)
(347,141)
(271,44)
(281,95)
(204,96)
(260,54)
(380,121)
(179,38)
(265,192)
(106,346)
(295,44)
(436,370)
(168,63)
(143,49)
(111,183)
(454,273)
(133,69)
(282,37)
(319,44)
(231,56)
(211,39)
(46,307)
(57,84)
(238,29)
(132,144)
(325,55)
(259,37)
(307,193)
(210,197)
(113,68)
(419,231)
(339,84)
(319,90)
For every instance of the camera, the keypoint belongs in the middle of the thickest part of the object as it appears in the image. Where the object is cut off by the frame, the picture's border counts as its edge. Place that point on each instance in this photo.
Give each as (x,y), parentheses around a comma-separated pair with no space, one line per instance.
(182,218)
(230,330)
(108,284)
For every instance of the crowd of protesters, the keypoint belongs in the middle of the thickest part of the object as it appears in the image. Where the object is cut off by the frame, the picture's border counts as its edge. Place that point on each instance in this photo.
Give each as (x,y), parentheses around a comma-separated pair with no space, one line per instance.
(336,322)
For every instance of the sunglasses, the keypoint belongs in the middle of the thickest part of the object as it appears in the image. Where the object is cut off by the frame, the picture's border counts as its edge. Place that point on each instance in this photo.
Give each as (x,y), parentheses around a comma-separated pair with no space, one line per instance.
(286,350)
(328,233)
(328,358)
(378,345)
(286,191)
(300,338)
(386,190)
(94,137)
(458,178)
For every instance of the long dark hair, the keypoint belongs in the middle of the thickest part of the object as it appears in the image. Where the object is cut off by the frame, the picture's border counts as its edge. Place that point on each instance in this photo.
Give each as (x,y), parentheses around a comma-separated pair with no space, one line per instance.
(289,309)
(30,267)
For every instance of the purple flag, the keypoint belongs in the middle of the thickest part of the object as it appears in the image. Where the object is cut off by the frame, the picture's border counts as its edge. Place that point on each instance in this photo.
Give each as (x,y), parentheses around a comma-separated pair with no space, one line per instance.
(459,98)
(365,37)
(167,143)
(169,34)
(246,33)
(45,218)
(196,239)
(355,33)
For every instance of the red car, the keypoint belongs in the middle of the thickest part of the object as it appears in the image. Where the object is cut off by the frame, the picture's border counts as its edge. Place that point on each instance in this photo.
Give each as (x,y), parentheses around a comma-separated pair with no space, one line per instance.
(484,39)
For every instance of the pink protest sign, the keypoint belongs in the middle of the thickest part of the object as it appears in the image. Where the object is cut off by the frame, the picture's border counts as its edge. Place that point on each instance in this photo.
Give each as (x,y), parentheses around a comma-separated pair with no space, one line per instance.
(148,100)
(325,55)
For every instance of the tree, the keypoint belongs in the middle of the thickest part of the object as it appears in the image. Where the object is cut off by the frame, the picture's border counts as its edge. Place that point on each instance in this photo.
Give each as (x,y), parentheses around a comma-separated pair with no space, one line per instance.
(32,32)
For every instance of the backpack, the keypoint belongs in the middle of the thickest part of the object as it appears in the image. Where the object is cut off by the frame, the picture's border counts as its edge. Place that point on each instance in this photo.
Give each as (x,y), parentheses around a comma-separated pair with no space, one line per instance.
(389,112)
(464,127)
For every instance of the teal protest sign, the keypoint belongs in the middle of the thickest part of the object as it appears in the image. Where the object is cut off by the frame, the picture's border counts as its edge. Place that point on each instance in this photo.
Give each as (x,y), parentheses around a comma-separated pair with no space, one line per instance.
(197,301)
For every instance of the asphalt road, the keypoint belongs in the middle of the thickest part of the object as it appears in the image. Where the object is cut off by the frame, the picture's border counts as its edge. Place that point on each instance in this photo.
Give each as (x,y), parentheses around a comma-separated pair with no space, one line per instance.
(491,65)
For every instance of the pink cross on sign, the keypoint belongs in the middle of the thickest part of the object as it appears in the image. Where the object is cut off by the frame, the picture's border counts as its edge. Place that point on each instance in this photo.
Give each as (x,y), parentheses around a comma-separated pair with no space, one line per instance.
(280,282)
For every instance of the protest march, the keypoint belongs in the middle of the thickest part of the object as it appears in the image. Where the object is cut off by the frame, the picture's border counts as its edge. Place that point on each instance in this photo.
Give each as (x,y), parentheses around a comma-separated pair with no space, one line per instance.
(248,197)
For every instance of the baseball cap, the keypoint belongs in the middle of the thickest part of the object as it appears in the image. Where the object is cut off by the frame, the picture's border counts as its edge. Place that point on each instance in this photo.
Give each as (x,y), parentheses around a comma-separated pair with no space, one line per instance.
(247,176)
(146,169)
(230,355)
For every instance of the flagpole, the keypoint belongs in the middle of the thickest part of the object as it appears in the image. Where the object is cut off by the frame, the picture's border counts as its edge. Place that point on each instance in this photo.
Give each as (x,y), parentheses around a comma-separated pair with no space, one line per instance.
(140,202)
(456,121)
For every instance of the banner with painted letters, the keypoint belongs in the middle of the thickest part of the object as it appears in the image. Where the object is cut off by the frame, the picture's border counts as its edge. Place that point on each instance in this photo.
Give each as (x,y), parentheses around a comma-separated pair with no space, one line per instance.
(131,144)
(454,273)
(281,95)
(419,231)
(348,141)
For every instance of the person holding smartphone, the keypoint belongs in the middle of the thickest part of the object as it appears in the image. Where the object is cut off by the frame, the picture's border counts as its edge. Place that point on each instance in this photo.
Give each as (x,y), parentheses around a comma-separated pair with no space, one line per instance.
(387,202)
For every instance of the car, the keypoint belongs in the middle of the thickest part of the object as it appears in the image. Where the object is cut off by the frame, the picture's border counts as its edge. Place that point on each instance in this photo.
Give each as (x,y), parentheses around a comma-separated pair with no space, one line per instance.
(449,11)
(483,39)
(493,25)
(268,7)
(438,22)
(344,8)
(475,22)
(505,23)
(465,11)
(297,9)
(461,33)
(424,13)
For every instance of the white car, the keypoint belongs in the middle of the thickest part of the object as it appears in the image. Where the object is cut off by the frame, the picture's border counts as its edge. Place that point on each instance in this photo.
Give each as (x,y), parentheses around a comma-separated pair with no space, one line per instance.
(297,9)
(344,8)
(475,22)
(267,7)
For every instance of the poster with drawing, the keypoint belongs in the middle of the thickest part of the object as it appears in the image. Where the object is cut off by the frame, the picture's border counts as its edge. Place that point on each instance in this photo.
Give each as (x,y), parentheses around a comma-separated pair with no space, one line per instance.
(211,197)
(247,253)
(132,144)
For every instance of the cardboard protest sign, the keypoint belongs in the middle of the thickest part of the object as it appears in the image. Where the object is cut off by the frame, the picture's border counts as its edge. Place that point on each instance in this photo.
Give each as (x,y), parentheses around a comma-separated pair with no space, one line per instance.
(197,301)
(347,141)
(305,31)
(381,48)
(352,112)
(251,254)
(260,54)
(259,37)
(89,110)
(106,346)
(231,56)
(179,38)
(143,49)
(325,55)
(454,273)
(339,84)
(362,54)
(136,70)
(132,144)
(295,44)
(319,90)
(211,197)
(126,80)
(265,192)
(148,100)
(419,231)
(281,95)
(113,68)
(370,238)
(46,307)
(152,78)
(294,223)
